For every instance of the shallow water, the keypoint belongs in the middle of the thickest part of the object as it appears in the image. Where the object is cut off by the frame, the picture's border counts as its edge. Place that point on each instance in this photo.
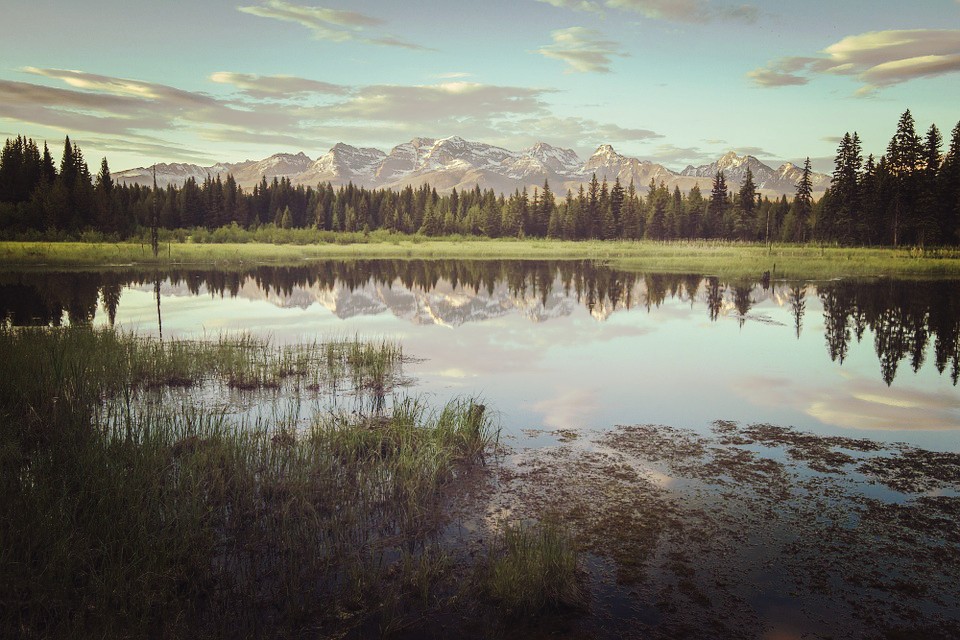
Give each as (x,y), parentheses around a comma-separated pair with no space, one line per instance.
(574,344)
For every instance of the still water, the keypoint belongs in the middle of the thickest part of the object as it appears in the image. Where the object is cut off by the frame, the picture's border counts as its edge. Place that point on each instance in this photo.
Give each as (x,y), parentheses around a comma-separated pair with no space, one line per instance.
(576,344)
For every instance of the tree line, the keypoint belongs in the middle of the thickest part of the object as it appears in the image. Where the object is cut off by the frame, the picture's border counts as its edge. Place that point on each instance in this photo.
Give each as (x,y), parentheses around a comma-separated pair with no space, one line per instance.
(910,195)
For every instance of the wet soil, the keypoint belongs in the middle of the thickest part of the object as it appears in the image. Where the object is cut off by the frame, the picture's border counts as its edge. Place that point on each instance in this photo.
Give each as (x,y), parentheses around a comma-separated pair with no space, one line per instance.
(745,532)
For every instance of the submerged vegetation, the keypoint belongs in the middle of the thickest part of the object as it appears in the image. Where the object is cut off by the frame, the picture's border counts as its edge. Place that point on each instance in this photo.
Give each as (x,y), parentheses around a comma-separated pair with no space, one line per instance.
(130,510)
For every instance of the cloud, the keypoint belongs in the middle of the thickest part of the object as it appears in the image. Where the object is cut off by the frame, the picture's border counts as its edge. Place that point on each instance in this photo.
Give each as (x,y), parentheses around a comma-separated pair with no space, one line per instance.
(687,11)
(332,25)
(145,116)
(853,402)
(578,5)
(773,78)
(279,87)
(570,408)
(582,49)
(133,103)
(120,86)
(430,103)
(877,59)
(454,75)
(682,155)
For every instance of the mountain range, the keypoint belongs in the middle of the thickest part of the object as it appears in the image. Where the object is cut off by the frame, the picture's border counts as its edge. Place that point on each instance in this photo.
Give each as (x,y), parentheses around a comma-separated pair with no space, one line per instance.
(449,163)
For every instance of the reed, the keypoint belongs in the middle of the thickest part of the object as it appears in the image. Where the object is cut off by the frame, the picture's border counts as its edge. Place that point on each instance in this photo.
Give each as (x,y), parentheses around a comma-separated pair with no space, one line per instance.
(127,514)
(534,569)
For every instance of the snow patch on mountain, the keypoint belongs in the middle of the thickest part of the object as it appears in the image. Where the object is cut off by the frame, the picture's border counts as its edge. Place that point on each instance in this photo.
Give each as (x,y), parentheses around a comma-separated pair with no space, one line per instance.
(454,162)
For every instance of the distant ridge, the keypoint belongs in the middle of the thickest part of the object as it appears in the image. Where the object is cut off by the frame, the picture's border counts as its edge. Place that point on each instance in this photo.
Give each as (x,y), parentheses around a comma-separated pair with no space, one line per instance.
(453,162)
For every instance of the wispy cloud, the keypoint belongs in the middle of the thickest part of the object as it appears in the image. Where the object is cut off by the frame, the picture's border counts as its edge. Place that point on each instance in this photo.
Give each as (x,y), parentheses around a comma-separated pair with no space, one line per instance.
(684,11)
(454,75)
(877,59)
(583,50)
(142,117)
(333,25)
(579,5)
(770,77)
(451,101)
(672,154)
(278,87)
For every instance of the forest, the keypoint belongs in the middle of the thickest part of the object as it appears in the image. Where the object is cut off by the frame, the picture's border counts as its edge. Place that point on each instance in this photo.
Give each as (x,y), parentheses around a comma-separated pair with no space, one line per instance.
(908,196)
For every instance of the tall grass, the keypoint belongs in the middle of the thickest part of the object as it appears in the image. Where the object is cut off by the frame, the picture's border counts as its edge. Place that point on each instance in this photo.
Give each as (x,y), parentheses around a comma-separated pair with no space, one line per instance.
(534,568)
(722,258)
(124,515)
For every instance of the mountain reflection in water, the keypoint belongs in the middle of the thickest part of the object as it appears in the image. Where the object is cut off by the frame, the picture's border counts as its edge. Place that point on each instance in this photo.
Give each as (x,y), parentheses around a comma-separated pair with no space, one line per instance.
(554,322)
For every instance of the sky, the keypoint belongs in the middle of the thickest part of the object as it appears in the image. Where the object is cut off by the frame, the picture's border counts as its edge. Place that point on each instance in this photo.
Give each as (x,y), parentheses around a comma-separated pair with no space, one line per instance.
(673,81)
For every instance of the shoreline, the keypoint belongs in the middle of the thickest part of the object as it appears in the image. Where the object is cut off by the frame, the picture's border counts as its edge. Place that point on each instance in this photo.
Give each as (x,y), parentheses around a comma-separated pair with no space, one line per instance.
(714,258)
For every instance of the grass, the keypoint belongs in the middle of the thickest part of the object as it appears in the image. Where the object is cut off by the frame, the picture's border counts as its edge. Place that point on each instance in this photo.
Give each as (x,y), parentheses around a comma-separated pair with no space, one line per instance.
(727,259)
(534,569)
(127,514)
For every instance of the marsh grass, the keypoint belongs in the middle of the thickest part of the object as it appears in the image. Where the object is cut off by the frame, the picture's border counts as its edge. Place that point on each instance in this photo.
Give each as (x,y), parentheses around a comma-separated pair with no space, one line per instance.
(721,258)
(533,569)
(126,516)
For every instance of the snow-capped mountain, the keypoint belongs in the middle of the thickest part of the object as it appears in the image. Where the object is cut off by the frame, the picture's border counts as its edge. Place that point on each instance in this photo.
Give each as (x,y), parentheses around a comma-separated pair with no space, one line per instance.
(174,173)
(453,162)
(404,159)
(279,165)
(343,164)
(246,173)
(734,167)
(609,165)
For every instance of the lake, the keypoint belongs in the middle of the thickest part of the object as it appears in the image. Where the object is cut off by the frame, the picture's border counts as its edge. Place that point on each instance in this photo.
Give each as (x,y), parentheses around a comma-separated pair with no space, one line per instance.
(736,458)
(575,344)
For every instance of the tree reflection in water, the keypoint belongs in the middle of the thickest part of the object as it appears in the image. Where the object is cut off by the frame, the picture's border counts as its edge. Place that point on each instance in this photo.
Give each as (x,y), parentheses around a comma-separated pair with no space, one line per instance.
(904,316)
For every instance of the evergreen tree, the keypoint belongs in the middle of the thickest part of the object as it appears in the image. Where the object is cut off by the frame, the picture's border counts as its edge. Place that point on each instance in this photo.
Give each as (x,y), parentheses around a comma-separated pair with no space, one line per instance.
(930,226)
(630,214)
(593,208)
(904,160)
(104,199)
(717,207)
(616,206)
(546,212)
(746,201)
(950,189)
(694,214)
(802,204)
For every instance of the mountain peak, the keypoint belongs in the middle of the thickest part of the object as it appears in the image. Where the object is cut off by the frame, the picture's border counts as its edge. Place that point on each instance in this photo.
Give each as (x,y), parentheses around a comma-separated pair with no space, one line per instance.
(605,150)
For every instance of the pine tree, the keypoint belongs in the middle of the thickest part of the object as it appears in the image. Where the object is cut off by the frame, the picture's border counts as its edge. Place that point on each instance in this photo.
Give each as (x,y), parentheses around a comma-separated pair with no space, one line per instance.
(950,188)
(616,206)
(802,203)
(546,212)
(746,201)
(930,220)
(904,159)
(593,208)
(717,206)
(104,199)
(630,214)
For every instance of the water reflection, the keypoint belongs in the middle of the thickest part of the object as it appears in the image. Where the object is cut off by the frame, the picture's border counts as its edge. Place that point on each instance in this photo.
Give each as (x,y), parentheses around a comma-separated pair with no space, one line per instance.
(904,317)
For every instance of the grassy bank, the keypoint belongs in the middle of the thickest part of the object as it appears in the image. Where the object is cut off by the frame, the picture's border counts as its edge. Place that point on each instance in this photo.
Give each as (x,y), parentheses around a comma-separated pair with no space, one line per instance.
(129,511)
(715,258)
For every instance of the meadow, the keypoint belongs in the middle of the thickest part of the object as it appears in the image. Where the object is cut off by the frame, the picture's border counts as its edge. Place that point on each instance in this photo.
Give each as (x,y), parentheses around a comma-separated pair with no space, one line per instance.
(228,246)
